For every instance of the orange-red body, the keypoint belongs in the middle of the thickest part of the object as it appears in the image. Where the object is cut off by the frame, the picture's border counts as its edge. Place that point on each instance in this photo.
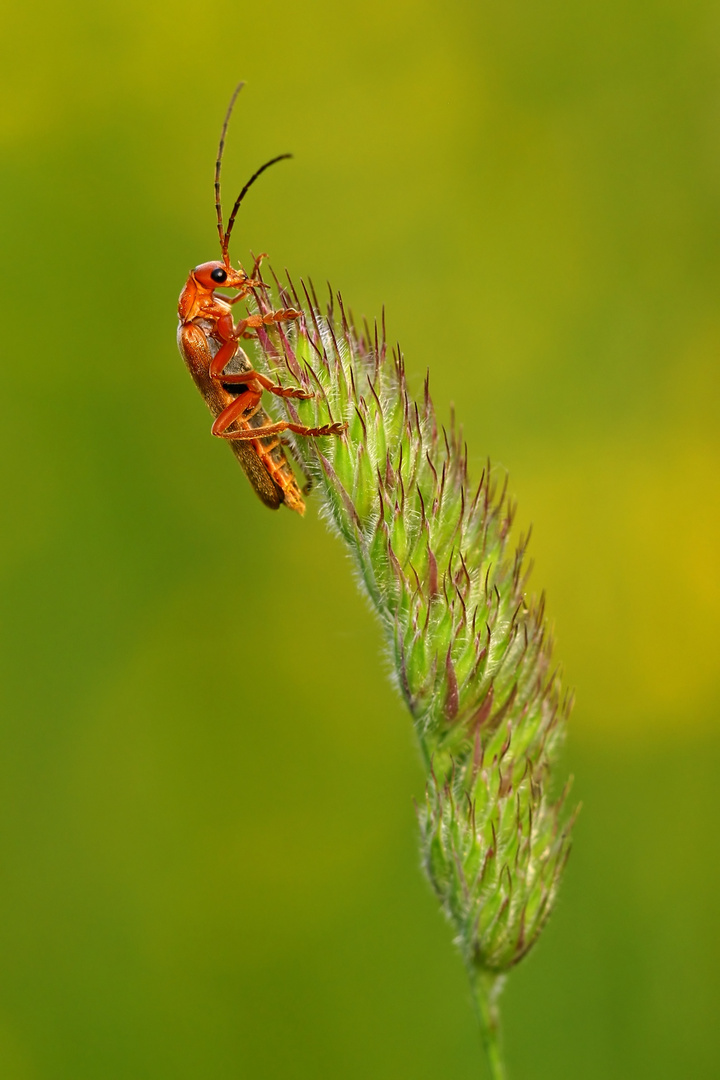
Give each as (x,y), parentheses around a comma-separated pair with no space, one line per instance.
(206,332)
(209,341)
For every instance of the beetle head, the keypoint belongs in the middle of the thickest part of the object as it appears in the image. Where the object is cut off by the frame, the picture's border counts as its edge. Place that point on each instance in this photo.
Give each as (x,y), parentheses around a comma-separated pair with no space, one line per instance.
(220,275)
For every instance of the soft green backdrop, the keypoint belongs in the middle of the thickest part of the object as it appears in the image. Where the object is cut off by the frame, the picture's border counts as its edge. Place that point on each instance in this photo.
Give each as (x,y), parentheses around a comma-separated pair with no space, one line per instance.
(207,839)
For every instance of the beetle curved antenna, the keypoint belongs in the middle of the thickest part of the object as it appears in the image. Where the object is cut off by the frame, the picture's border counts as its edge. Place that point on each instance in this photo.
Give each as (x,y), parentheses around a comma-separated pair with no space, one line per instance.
(218,166)
(225,240)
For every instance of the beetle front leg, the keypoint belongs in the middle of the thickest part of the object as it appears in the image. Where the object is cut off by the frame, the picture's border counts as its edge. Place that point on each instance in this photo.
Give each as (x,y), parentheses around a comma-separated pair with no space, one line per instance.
(222,357)
(252,322)
(230,334)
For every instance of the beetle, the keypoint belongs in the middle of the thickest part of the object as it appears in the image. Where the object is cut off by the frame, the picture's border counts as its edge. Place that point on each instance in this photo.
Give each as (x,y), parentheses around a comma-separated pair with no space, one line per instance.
(209,342)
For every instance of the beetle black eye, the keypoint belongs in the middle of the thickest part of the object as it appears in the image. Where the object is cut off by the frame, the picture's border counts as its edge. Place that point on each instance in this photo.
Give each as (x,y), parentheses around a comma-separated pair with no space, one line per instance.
(219,275)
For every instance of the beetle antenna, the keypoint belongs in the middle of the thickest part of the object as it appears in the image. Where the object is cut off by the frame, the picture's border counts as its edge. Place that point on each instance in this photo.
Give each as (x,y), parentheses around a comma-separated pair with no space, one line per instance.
(225,240)
(218,166)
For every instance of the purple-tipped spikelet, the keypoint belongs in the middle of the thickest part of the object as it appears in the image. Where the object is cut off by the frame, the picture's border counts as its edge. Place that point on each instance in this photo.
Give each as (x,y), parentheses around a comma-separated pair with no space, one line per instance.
(470,648)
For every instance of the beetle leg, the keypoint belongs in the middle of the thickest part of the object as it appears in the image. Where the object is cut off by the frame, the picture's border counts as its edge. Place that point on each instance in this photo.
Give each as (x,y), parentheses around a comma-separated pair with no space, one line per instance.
(229,335)
(232,412)
(222,357)
(250,322)
(242,407)
(265,382)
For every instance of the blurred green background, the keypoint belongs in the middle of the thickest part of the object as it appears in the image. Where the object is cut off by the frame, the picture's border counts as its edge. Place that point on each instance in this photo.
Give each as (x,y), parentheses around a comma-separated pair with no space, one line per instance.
(207,840)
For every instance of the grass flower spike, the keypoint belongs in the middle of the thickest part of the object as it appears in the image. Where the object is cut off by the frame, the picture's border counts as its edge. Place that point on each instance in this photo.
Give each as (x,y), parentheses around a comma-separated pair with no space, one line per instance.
(470,649)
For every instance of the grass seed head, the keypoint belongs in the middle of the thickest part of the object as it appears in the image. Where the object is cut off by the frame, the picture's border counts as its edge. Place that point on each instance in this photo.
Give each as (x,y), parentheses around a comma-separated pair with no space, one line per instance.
(470,647)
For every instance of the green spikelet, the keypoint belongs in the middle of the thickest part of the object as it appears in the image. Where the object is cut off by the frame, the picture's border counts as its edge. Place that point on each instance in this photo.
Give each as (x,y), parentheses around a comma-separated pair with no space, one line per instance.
(470,649)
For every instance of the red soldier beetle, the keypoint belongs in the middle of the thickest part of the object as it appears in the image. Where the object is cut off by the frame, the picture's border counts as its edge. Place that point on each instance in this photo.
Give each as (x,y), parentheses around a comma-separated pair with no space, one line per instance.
(209,342)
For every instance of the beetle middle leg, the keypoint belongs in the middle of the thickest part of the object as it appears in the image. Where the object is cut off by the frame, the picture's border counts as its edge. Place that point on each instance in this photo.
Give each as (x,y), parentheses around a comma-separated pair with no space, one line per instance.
(223,357)
(242,408)
(253,376)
